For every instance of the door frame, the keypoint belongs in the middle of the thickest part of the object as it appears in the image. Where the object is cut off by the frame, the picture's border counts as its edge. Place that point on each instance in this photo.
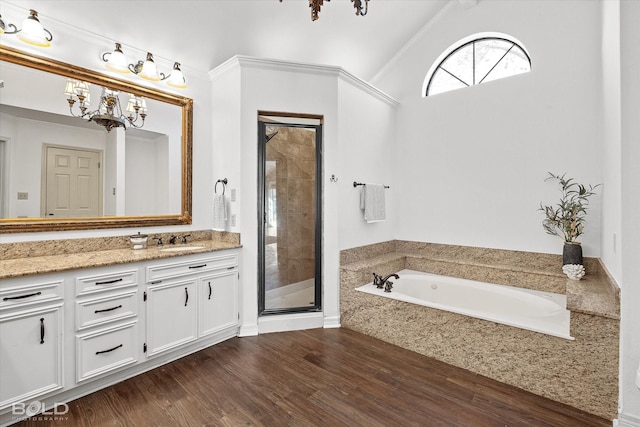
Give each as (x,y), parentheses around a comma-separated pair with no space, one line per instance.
(261,208)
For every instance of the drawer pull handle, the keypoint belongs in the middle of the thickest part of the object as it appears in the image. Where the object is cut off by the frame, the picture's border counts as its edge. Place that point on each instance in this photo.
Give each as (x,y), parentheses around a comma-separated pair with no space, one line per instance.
(107,351)
(108,309)
(186,292)
(197,266)
(42,330)
(22,296)
(108,282)
(209,290)
(231,268)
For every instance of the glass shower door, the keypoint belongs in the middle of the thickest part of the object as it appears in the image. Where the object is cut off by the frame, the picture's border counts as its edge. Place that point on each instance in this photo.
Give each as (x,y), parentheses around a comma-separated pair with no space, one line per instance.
(290,267)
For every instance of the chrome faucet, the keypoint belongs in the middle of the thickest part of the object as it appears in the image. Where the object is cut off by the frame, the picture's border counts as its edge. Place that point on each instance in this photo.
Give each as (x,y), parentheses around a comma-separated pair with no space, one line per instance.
(384,282)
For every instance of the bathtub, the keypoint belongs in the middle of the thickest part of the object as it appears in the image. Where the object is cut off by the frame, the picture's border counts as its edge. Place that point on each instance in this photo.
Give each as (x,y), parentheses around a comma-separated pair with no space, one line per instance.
(537,311)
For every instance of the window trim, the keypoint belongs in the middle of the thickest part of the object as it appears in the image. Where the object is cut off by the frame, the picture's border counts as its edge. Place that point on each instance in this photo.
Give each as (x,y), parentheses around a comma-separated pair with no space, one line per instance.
(452,49)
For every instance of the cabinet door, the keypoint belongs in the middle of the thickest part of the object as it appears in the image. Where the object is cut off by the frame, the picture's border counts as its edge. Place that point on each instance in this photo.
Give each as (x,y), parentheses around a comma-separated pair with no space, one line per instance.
(171,315)
(30,354)
(218,302)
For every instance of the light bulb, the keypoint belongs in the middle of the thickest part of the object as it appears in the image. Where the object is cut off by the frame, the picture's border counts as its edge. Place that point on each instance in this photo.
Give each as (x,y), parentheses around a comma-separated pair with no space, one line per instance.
(33,32)
(117,61)
(176,78)
(149,70)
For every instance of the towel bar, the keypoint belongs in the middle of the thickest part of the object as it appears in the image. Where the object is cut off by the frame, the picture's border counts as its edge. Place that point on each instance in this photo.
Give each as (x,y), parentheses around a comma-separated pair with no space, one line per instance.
(355,184)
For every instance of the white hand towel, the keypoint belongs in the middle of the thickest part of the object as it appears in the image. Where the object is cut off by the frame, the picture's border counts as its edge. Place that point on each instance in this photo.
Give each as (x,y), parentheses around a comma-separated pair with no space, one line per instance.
(373,203)
(219,212)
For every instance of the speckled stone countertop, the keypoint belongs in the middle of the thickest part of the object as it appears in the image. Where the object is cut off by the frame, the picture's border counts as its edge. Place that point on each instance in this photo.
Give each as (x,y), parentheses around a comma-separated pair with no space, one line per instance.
(582,372)
(35,262)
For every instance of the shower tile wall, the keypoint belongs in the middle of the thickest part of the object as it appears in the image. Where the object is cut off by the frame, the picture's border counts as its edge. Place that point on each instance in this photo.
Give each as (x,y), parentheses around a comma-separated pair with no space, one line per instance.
(290,178)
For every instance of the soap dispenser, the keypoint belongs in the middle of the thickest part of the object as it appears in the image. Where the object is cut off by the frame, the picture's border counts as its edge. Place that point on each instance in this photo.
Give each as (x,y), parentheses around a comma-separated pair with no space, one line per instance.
(138,241)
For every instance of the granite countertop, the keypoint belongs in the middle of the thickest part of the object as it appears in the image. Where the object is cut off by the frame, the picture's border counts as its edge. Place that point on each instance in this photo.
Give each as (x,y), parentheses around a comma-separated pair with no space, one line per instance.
(29,266)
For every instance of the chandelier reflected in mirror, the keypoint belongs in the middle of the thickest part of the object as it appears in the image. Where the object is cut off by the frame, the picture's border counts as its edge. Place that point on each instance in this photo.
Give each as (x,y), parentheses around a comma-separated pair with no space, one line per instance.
(361,6)
(109,112)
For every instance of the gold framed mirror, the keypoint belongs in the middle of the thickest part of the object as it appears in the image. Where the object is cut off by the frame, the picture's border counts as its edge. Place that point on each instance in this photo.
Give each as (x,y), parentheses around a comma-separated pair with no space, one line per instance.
(170,162)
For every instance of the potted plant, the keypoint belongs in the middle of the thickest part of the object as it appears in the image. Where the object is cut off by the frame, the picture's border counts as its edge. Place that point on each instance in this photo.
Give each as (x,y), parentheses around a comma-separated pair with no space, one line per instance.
(567,218)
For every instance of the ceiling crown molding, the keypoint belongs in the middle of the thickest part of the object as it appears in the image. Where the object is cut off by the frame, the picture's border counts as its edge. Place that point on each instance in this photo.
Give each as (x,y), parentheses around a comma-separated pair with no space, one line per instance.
(300,67)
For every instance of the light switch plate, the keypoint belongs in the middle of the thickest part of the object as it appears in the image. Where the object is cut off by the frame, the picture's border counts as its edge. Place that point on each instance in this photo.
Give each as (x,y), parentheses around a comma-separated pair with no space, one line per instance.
(233,194)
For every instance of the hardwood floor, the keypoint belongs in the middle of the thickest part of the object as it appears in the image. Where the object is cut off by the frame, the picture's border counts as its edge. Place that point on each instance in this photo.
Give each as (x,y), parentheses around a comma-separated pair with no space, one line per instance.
(320,377)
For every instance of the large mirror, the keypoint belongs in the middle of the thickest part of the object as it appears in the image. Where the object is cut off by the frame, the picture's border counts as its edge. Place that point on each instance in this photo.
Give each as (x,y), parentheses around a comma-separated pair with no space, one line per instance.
(60,172)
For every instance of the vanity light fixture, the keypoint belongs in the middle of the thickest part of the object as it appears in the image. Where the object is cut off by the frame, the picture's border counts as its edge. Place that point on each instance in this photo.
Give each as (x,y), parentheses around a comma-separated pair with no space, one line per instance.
(109,112)
(147,69)
(32,32)
(116,61)
(176,78)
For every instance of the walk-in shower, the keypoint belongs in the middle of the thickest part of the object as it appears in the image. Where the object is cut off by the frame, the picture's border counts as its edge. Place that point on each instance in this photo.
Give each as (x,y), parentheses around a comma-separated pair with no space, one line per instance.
(289,213)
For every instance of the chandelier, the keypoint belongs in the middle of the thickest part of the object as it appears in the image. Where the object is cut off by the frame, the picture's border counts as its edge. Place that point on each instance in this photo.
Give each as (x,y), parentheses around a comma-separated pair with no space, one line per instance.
(109,112)
(315,5)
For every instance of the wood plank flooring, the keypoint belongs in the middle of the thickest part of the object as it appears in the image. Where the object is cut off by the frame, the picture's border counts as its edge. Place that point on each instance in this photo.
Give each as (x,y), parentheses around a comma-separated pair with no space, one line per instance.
(319,377)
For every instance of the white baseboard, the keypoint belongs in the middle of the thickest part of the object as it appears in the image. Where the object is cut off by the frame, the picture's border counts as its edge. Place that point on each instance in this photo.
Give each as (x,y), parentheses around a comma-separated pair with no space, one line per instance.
(332,322)
(626,420)
(248,330)
(290,322)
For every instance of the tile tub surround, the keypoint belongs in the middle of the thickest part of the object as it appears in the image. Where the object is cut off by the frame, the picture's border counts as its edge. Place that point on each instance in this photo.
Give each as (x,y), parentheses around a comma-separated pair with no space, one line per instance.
(581,373)
(40,257)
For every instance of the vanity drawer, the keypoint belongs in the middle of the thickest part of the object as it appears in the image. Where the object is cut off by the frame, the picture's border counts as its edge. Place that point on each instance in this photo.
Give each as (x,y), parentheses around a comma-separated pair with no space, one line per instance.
(107,281)
(106,350)
(24,295)
(97,311)
(160,272)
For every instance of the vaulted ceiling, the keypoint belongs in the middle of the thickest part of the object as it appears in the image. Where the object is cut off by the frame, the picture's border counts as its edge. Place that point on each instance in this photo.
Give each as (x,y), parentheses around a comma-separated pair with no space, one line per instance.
(203,34)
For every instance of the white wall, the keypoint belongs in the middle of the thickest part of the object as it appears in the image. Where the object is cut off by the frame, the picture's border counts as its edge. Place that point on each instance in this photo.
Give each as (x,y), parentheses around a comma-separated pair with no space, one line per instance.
(472,162)
(358,121)
(630,225)
(611,138)
(366,149)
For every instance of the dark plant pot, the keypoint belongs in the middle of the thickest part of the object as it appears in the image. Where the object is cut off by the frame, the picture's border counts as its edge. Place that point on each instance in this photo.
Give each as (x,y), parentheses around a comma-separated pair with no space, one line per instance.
(572,253)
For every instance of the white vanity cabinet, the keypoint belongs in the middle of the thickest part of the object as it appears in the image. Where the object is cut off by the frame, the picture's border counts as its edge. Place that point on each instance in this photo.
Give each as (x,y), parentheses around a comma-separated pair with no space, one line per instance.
(31,331)
(67,334)
(190,298)
(106,321)
(171,315)
(218,301)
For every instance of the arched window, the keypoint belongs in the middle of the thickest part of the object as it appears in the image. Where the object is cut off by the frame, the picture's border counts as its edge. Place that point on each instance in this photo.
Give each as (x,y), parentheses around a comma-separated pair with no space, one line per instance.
(475,60)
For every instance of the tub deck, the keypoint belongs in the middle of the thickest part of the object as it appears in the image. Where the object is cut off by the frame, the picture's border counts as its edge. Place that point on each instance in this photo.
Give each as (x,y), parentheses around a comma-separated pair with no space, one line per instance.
(582,373)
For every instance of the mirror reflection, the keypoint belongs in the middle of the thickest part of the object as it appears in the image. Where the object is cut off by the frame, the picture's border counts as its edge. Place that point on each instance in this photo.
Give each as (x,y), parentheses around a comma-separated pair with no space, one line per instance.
(81,150)
(57,165)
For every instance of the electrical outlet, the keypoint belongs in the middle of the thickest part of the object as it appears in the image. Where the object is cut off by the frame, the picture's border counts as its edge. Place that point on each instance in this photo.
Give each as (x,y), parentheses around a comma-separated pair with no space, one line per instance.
(233,194)
(114,191)
(23,196)
(233,220)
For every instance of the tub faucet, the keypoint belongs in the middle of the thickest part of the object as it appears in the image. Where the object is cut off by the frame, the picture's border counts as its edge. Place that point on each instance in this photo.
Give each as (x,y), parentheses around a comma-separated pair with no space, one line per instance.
(388,284)
(377,280)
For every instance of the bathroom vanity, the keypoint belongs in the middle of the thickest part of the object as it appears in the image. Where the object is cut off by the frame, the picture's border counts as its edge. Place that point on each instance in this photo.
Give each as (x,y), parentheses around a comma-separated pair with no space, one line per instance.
(96,318)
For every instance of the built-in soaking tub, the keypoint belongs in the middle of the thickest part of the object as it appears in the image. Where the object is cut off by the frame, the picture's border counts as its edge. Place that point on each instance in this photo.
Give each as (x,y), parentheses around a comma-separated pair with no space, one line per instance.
(537,311)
